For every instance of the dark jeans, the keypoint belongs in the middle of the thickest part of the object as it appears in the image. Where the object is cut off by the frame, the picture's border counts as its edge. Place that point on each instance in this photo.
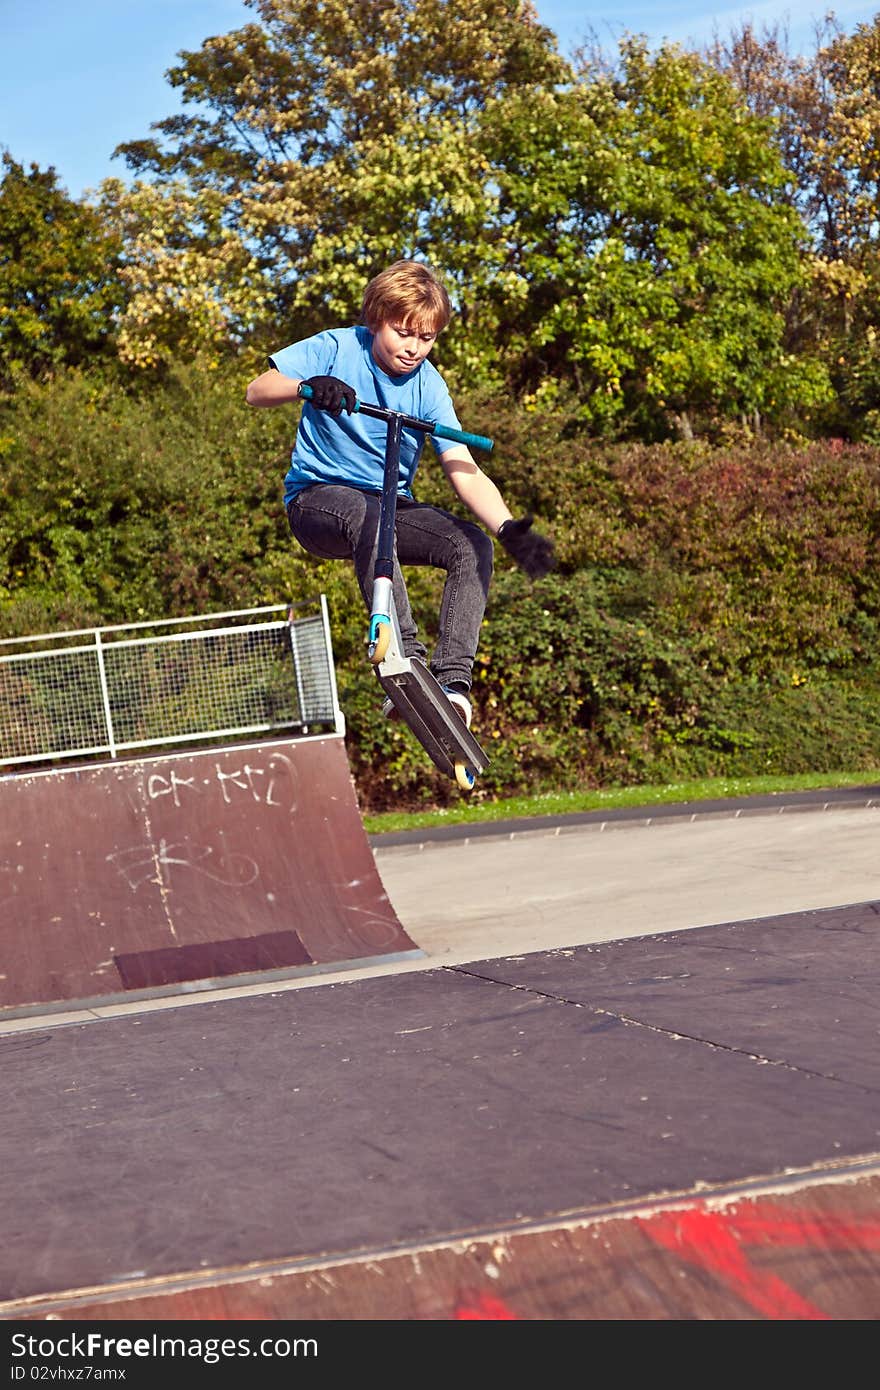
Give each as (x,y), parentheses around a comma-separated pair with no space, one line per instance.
(335,522)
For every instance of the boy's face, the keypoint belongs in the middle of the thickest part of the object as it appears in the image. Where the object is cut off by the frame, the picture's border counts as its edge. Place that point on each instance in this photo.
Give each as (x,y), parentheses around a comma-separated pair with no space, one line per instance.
(400,348)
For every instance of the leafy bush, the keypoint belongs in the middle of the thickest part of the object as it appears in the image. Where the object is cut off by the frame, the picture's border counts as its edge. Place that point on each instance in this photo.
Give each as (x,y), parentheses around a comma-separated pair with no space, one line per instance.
(715,612)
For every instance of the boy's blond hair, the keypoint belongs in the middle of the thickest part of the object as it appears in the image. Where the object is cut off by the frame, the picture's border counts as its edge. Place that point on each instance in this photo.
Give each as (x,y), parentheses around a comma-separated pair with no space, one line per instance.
(408,294)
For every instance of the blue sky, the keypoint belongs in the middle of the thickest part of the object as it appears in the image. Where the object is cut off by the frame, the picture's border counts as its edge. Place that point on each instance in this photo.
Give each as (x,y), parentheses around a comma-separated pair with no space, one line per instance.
(78,77)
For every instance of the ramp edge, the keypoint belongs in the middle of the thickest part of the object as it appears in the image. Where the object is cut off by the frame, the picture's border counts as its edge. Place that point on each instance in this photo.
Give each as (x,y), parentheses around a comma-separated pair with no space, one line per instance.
(709,1196)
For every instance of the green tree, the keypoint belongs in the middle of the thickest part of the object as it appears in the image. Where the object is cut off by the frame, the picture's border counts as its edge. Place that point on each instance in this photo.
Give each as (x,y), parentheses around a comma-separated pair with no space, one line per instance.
(648,255)
(826,114)
(619,233)
(328,138)
(60,290)
(193,287)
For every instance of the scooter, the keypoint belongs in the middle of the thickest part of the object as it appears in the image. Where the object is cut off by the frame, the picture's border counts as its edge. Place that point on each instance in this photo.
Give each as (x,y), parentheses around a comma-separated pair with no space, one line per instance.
(413,690)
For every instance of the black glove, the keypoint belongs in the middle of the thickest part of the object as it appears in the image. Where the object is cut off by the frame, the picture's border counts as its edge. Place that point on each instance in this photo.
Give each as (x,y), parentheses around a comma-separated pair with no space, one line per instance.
(531,551)
(331,394)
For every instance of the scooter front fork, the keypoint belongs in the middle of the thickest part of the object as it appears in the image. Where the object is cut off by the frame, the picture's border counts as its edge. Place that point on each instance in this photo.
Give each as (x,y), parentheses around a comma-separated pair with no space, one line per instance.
(385,644)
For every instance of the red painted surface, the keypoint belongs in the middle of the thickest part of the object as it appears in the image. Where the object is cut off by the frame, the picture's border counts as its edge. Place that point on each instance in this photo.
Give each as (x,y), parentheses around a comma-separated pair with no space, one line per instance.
(484,1308)
(718,1243)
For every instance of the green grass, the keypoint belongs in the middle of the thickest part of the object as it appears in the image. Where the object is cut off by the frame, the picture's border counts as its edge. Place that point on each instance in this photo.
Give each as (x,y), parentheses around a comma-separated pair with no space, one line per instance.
(562,803)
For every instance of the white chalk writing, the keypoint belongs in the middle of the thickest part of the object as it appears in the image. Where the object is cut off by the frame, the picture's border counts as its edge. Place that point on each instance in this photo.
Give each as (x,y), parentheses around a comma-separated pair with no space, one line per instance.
(152,863)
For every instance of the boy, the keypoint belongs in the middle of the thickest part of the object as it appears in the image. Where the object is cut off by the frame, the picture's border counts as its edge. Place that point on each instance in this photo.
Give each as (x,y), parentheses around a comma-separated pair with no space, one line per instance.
(333,488)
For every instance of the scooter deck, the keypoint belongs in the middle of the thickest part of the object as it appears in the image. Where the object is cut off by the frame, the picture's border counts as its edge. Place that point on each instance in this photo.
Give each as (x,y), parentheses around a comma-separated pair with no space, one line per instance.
(425,710)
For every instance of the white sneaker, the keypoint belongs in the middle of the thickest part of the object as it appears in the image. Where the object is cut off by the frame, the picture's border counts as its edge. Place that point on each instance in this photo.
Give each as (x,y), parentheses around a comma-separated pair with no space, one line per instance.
(461,704)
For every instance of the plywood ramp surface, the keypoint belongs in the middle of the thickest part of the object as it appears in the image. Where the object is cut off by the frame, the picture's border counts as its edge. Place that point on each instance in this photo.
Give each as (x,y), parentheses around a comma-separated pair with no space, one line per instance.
(158,873)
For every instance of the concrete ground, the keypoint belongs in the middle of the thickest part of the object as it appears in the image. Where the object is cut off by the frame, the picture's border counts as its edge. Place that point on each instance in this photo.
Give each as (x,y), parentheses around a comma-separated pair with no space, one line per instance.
(603,881)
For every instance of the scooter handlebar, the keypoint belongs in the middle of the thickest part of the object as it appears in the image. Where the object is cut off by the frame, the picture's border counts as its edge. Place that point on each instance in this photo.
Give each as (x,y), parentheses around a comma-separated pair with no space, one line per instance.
(473,441)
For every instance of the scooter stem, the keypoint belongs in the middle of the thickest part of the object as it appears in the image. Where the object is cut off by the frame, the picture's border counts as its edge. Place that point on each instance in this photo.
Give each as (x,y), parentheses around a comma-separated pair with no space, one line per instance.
(382,605)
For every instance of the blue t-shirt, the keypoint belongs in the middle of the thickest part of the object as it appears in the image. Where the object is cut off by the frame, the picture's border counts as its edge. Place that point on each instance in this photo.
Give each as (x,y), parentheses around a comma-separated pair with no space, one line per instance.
(350,449)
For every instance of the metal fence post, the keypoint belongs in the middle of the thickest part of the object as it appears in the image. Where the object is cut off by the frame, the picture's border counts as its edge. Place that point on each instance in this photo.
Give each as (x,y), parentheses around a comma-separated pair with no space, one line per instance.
(338,716)
(105,694)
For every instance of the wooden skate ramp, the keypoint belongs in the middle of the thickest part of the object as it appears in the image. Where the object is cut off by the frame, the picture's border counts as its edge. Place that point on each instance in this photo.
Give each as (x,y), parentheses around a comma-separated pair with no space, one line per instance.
(161,874)
(807,1251)
(674,1126)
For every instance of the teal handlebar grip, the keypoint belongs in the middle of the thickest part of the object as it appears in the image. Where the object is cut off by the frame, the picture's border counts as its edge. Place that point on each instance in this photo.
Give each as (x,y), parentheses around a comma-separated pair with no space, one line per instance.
(473,441)
(305,393)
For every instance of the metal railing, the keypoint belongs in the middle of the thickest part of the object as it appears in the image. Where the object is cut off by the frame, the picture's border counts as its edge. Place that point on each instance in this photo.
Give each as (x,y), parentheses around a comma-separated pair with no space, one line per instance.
(99,691)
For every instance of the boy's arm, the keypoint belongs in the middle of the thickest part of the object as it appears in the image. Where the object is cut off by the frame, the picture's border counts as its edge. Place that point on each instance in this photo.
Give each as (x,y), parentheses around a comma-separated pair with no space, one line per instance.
(272,388)
(476,490)
(531,551)
(328,392)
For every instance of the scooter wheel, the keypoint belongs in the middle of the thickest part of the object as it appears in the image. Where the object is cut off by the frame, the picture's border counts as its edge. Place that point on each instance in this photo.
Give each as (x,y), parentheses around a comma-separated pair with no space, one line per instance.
(464,776)
(379,648)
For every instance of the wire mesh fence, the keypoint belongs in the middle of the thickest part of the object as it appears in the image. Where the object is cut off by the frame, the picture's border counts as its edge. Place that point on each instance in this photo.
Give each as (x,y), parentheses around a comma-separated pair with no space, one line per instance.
(107,690)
